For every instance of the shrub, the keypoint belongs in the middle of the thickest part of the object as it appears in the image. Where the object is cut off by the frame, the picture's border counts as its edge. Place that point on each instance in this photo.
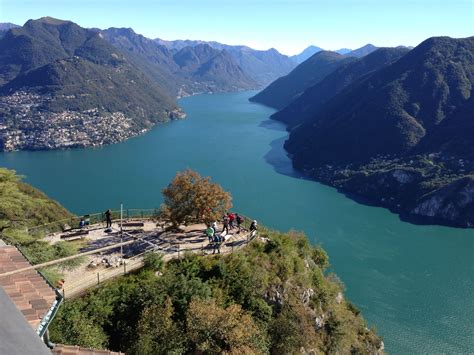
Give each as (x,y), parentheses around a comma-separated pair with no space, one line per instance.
(154,261)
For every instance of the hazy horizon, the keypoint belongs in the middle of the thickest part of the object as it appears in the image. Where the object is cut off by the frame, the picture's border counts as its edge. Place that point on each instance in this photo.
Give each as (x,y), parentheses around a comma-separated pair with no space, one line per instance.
(288,26)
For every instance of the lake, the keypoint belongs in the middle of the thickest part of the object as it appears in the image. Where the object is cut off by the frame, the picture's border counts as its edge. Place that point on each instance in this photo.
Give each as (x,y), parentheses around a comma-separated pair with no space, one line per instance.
(415,284)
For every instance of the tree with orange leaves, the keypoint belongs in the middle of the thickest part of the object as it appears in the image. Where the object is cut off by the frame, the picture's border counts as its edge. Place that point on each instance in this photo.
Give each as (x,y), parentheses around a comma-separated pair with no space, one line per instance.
(191,198)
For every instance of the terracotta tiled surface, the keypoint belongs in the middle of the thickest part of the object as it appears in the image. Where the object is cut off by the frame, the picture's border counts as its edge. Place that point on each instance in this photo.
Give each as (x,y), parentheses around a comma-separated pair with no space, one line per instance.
(76,350)
(28,290)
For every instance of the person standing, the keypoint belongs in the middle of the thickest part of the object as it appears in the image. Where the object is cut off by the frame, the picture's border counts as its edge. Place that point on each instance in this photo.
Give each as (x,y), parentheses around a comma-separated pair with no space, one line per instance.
(217,243)
(239,219)
(108,218)
(231,220)
(210,233)
(253,226)
(225,222)
(214,226)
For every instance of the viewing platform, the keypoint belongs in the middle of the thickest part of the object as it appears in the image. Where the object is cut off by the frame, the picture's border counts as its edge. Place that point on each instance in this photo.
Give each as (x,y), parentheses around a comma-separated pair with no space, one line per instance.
(111,252)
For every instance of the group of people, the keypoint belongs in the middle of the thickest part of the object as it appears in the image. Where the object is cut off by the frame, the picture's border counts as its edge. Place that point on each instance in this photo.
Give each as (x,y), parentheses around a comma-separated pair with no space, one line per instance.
(229,222)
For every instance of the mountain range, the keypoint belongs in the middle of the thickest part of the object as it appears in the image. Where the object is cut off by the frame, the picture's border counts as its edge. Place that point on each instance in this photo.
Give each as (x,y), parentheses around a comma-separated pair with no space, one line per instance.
(287,88)
(184,71)
(308,103)
(394,128)
(76,69)
(311,50)
(362,51)
(263,66)
(56,77)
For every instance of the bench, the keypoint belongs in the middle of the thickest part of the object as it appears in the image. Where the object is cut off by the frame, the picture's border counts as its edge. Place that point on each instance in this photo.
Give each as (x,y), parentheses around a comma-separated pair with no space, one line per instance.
(75,235)
(133,224)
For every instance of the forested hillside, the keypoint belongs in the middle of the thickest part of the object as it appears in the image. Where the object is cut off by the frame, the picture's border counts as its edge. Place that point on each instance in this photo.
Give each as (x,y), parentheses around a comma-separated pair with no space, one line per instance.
(272,296)
(402,136)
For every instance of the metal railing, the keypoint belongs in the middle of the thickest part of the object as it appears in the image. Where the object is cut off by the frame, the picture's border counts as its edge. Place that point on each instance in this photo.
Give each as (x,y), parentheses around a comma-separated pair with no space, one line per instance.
(79,286)
(94,279)
(92,218)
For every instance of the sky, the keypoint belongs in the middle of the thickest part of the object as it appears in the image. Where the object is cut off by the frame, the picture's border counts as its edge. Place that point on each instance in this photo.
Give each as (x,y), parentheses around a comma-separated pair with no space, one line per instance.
(287,25)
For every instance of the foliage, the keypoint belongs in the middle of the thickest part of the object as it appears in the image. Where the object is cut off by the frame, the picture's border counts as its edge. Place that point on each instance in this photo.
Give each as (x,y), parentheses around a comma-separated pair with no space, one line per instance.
(285,89)
(190,198)
(75,327)
(154,261)
(39,252)
(264,298)
(52,275)
(212,329)
(311,100)
(23,207)
(396,133)
(81,70)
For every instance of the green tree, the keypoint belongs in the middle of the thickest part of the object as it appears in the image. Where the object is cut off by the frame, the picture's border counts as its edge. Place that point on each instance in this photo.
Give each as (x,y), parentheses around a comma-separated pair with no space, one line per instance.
(190,198)
(73,326)
(158,333)
(212,329)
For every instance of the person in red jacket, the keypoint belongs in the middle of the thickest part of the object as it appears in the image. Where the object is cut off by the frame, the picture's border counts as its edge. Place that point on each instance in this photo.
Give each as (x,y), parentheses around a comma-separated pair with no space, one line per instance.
(231,220)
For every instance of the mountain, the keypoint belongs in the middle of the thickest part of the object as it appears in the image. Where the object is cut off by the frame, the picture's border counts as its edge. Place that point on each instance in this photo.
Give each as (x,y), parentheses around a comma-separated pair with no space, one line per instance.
(213,68)
(167,67)
(362,51)
(56,74)
(4,27)
(343,51)
(153,59)
(263,66)
(401,137)
(287,88)
(305,54)
(306,105)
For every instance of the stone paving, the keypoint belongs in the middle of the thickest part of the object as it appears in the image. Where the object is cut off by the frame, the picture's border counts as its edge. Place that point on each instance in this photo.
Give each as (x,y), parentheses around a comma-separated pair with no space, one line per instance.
(149,236)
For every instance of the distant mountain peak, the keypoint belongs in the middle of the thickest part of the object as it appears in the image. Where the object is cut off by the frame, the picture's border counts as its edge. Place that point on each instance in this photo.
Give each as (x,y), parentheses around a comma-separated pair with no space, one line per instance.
(362,51)
(306,53)
(5,26)
(51,20)
(123,31)
(343,51)
(285,89)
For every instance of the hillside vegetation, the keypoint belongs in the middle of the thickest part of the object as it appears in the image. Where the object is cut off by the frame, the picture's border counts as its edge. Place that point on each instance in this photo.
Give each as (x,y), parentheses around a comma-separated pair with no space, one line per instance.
(79,70)
(263,66)
(287,88)
(23,207)
(312,99)
(400,136)
(194,68)
(270,297)
(64,86)
(273,296)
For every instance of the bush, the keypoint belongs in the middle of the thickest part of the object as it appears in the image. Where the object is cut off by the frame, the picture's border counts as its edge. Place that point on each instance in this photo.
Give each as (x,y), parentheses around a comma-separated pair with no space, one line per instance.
(154,261)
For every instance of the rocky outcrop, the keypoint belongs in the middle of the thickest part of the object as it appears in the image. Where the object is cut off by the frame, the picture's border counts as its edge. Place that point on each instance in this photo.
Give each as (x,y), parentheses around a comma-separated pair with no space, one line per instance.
(427,189)
(454,202)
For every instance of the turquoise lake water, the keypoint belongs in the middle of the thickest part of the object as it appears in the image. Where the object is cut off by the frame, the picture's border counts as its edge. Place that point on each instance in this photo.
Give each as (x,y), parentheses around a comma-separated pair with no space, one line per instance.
(415,284)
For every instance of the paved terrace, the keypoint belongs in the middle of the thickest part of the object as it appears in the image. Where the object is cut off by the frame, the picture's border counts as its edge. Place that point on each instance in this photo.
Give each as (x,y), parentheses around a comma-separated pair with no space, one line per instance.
(105,249)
